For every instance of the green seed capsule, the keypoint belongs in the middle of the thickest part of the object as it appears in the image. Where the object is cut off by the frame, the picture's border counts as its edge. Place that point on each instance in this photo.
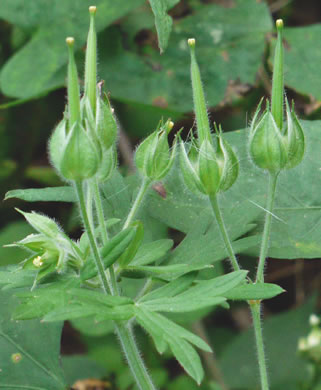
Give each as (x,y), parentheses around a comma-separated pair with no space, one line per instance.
(153,157)
(267,147)
(79,158)
(275,145)
(210,169)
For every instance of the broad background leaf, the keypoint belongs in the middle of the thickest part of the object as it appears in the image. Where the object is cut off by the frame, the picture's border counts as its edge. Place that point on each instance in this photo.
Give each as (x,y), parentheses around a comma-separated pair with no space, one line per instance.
(39,345)
(281,334)
(38,65)
(223,35)
(296,229)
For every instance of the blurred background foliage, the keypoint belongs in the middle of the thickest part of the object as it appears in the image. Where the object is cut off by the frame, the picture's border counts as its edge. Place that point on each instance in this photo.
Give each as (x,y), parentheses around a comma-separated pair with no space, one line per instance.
(235,39)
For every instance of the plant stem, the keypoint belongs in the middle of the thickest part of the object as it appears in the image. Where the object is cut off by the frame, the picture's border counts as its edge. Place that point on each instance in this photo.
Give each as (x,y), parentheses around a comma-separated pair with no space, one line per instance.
(267,226)
(91,238)
(132,354)
(100,211)
(140,196)
(104,233)
(126,337)
(256,315)
(255,307)
(223,231)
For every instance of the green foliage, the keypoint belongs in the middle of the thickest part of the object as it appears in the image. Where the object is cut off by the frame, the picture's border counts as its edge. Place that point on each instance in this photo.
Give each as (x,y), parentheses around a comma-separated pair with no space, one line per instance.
(54,23)
(29,351)
(128,267)
(49,194)
(281,332)
(221,40)
(289,239)
(163,22)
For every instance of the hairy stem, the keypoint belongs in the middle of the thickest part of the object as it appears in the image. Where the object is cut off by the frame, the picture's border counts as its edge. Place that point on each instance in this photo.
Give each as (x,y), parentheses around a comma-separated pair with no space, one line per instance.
(223,231)
(256,315)
(104,233)
(126,337)
(267,226)
(139,198)
(91,237)
(133,357)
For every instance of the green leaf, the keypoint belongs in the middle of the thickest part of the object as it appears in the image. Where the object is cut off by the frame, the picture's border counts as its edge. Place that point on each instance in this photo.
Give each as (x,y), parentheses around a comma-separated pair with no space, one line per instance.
(301,57)
(80,310)
(29,351)
(92,296)
(37,303)
(188,358)
(254,291)
(281,335)
(221,43)
(171,289)
(42,224)
(49,194)
(28,74)
(166,332)
(179,305)
(188,213)
(204,294)
(15,277)
(168,328)
(59,302)
(152,252)
(110,252)
(132,249)
(167,272)
(163,22)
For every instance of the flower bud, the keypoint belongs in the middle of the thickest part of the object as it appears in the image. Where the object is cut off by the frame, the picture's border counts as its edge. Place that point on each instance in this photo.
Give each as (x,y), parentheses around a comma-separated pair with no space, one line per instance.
(153,157)
(50,249)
